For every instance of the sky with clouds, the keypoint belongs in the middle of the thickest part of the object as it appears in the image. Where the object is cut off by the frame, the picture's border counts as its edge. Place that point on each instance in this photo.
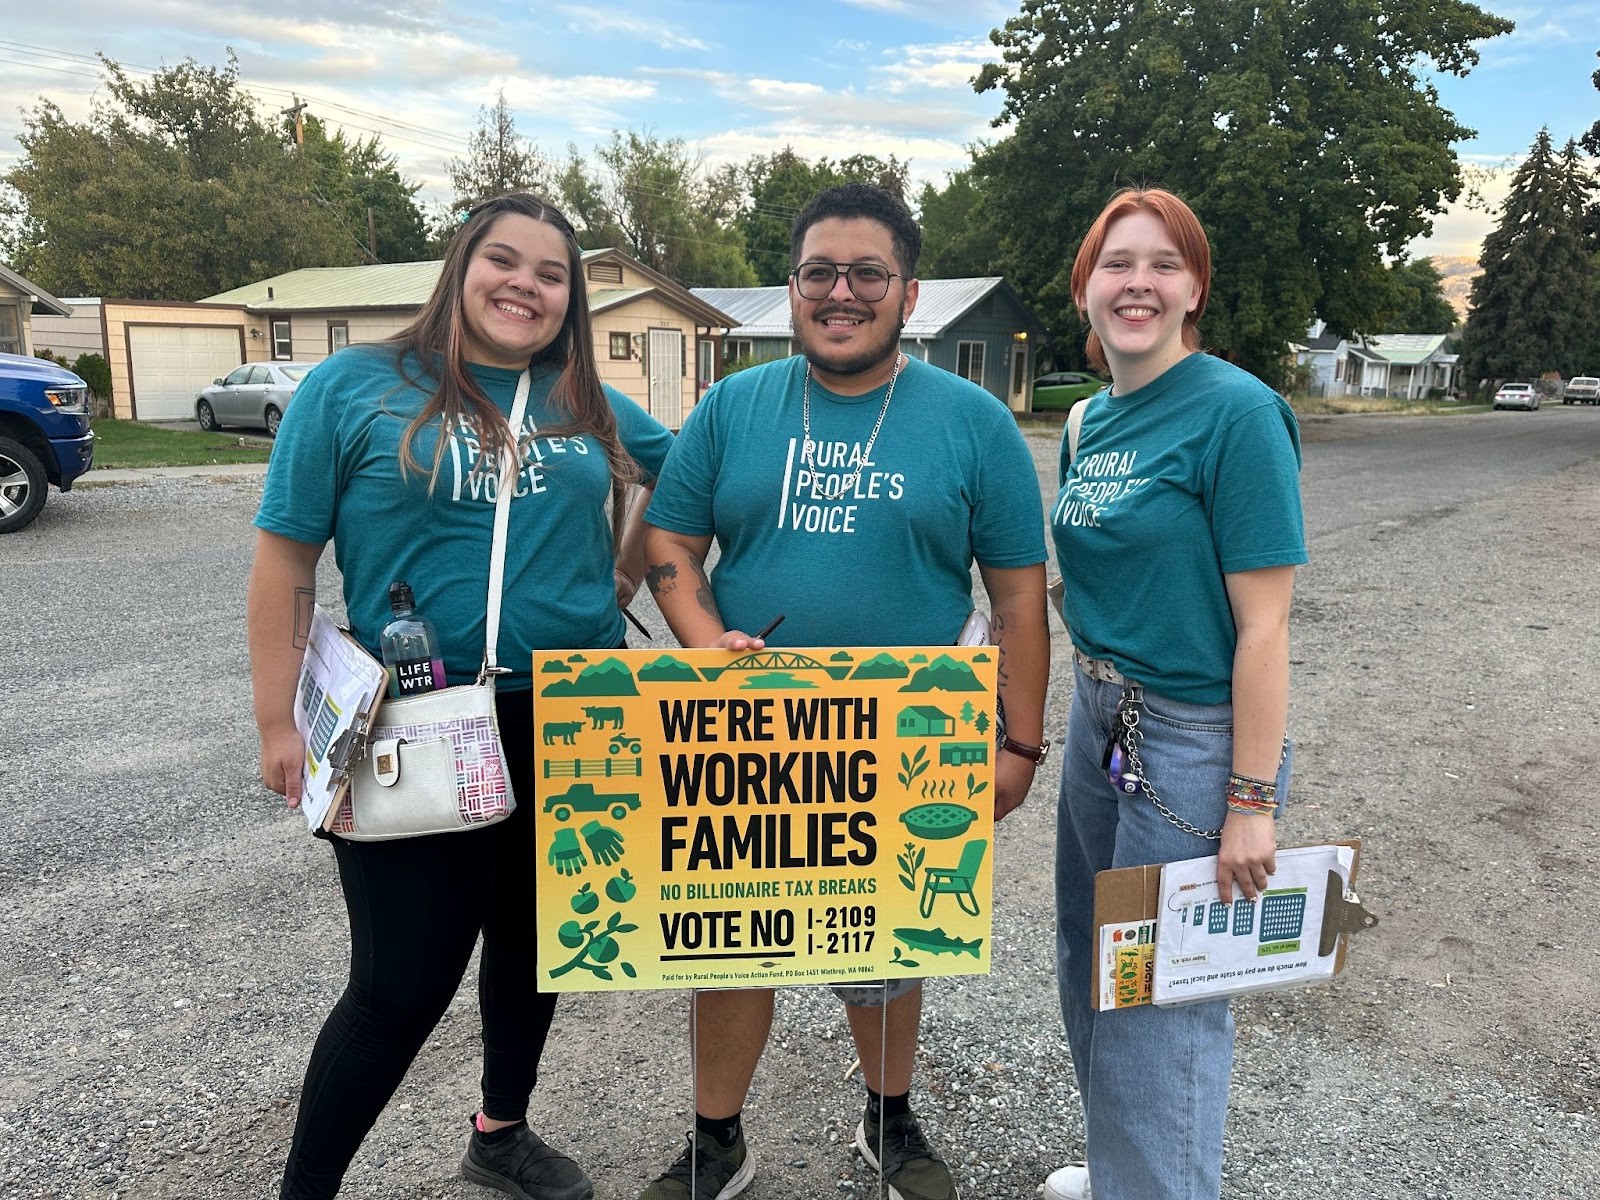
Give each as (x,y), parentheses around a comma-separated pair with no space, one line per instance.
(731,78)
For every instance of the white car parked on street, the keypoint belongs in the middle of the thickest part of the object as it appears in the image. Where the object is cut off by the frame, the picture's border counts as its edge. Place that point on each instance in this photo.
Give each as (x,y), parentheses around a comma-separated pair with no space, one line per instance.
(1516,395)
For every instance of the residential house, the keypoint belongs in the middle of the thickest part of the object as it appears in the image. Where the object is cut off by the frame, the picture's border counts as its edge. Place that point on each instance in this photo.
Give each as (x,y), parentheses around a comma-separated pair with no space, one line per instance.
(648,330)
(1401,365)
(161,353)
(976,328)
(20,301)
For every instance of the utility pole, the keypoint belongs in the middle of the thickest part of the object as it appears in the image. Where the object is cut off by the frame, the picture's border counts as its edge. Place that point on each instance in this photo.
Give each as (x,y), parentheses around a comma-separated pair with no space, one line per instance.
(372,235)
(299,124)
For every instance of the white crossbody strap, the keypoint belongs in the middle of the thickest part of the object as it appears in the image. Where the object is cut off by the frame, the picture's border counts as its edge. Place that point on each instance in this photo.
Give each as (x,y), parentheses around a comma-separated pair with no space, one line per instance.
(510,465)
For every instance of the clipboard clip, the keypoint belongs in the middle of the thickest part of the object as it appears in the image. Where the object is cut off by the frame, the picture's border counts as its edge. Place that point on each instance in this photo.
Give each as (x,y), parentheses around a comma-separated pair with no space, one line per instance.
(1342,913)
(350,747)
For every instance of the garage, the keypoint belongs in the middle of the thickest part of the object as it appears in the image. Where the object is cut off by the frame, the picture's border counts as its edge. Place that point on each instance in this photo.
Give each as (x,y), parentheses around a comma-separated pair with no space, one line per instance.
(168,364)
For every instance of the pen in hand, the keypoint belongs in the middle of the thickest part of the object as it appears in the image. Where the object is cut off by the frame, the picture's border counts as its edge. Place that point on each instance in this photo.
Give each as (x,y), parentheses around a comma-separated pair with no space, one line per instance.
(635,622)
(771,625)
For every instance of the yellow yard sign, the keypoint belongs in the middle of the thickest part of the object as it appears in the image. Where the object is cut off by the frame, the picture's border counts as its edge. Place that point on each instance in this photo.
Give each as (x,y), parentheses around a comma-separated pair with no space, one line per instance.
(716,819)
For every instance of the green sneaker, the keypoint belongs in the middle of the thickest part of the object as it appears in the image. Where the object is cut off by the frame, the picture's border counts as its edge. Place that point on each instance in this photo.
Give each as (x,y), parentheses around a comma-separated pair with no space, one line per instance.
(521,1165)
(705,1171)
(910,1167)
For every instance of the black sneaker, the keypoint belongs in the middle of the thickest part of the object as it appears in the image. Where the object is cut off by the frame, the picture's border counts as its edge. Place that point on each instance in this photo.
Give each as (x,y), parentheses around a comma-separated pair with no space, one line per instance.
(705,1171)
(521,1165)
(910,1167)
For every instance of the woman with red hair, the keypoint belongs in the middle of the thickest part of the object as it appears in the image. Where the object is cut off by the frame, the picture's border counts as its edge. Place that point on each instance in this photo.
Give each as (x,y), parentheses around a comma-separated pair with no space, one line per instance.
(1177,530)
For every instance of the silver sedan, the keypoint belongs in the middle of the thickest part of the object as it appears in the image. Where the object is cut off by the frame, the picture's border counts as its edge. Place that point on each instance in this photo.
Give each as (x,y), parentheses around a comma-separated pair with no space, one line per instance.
(254,394)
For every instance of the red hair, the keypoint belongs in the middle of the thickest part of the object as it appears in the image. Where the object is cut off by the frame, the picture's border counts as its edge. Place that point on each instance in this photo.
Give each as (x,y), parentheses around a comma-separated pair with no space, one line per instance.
(1189,240)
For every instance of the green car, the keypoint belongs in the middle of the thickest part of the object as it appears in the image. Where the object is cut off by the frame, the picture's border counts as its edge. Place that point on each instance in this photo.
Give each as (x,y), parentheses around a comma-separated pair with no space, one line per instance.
(1060,390)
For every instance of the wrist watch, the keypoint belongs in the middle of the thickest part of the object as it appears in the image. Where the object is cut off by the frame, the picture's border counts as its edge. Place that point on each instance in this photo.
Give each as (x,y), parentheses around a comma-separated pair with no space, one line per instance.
(1034,754)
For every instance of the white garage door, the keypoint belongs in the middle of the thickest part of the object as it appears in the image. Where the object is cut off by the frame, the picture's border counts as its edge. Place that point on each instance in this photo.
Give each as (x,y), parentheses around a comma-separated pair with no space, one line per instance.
(171,363)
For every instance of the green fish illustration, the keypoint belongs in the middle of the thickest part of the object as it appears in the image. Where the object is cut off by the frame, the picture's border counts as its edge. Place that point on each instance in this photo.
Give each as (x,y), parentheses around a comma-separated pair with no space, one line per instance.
(937,941)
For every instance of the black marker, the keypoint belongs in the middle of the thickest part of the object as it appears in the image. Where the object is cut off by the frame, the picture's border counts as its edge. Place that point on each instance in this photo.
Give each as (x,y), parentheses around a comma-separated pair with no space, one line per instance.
(771,625)
(636,623)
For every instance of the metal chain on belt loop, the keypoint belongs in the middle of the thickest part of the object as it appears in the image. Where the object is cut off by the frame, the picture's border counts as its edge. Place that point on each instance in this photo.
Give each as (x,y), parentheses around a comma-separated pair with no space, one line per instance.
(1128,710)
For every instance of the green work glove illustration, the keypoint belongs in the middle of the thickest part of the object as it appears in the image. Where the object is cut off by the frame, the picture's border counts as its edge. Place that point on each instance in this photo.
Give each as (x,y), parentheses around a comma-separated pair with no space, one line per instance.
(566,855)
(605,843)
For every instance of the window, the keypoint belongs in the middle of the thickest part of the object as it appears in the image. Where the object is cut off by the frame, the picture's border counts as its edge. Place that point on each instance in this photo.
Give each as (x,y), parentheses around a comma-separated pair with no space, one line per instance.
(969,361)
(282,343)
(620,345)
(1338,369)
(604,272)
(705,360)
(237,376)
(736,348)
(10,329)
(338,336)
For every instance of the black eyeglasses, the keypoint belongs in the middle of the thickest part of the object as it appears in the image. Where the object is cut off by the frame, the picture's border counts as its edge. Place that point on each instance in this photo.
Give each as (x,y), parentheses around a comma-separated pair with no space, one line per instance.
(868,282)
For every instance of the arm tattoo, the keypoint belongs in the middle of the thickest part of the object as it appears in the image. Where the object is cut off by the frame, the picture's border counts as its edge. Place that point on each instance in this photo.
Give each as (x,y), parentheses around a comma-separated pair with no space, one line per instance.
(305,600)
(703,592)
(997,630)
(661,577)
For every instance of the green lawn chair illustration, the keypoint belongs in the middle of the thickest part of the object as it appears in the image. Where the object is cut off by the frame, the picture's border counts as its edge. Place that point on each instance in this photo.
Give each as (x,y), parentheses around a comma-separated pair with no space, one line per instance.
(955,881)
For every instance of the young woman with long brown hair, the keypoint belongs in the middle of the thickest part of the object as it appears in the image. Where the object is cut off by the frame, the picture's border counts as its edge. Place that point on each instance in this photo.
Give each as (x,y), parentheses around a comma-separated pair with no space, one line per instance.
(393,452)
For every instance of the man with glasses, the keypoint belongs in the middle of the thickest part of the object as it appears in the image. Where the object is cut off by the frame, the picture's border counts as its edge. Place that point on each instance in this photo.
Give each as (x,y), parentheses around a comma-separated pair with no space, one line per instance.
(850,487)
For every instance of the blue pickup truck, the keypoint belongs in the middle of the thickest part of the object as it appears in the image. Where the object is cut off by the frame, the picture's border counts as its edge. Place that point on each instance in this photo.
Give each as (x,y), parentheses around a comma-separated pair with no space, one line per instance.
(44,435)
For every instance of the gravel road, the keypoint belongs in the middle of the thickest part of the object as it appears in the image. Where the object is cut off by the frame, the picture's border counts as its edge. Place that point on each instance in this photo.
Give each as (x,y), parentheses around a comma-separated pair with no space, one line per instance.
(171,938)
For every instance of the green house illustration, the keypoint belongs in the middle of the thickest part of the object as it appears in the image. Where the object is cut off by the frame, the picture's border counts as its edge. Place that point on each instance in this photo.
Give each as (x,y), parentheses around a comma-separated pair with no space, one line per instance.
(924,720)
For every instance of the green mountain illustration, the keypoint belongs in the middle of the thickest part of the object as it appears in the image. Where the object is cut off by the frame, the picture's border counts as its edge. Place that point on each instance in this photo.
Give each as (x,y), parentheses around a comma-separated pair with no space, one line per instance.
(667,669)
(882,666)
(944,674)
(609,677)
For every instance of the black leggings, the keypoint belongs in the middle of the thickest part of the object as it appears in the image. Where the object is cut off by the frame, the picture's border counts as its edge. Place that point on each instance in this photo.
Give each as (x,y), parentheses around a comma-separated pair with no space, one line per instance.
(416,908)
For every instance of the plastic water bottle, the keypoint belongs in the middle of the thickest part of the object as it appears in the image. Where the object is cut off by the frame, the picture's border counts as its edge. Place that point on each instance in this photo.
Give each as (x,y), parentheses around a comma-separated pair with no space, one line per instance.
(410,646)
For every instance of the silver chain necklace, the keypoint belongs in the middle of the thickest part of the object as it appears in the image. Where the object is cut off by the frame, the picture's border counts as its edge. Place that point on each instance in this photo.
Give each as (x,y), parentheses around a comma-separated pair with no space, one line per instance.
(808,448)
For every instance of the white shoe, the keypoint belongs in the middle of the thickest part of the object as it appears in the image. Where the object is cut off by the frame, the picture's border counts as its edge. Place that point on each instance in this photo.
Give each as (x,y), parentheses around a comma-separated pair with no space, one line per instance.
(1071,1182)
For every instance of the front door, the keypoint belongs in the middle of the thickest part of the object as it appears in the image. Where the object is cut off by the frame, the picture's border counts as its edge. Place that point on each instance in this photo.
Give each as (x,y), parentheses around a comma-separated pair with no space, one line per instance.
(666,376)
(1019,378)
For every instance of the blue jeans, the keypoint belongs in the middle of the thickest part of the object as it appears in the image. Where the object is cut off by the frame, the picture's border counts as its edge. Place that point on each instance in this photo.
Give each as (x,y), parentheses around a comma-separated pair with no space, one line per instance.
(1154,1081)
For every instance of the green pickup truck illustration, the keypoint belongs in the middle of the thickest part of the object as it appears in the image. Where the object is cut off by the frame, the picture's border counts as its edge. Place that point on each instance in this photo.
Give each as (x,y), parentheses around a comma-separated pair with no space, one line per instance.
(581,797)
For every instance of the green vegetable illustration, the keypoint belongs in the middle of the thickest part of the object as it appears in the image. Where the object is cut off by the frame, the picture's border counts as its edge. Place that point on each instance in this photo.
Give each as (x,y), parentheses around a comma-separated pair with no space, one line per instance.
(937,941)
(621,888)
(901,960)
(912,766)
(594,949)
(973,786)
(585,901)
(910,862)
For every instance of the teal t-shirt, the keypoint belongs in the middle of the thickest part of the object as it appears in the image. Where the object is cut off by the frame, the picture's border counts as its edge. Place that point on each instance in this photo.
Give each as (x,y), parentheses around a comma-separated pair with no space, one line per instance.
(949,480)
(1194,476)
(335,473)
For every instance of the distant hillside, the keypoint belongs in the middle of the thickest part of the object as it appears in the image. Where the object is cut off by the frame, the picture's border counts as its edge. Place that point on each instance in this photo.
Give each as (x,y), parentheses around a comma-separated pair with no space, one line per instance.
(1458,274)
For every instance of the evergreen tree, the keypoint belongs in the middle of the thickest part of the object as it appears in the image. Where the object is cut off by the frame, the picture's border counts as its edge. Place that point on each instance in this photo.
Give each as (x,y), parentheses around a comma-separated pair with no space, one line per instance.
(1420,306)
(1533,307)
(959,240)
(778,186)
(499,160)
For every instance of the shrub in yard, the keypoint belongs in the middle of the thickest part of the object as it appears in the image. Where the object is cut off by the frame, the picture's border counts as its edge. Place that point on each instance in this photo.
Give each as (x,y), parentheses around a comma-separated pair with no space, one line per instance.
(96,372)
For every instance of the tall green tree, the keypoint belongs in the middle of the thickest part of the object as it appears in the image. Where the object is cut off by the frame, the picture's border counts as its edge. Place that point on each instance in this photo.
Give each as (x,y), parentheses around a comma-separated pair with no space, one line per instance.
(361,177)
(174,189)
(1420,306)
(1533,308)
(673,215)
(1303,132)
(498,159)
(779,185)
(960,240)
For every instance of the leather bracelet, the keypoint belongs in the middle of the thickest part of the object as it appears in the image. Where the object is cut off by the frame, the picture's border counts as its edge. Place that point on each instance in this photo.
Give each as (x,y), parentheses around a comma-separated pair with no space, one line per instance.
(1034,754)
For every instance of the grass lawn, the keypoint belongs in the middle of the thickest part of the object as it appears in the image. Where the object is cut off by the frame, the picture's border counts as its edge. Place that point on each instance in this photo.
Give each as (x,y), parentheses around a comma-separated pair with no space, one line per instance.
(1309,406)
(137,444)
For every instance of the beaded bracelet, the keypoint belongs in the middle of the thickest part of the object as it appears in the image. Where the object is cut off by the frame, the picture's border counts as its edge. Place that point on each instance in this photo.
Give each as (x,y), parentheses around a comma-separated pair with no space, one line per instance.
(1252,796)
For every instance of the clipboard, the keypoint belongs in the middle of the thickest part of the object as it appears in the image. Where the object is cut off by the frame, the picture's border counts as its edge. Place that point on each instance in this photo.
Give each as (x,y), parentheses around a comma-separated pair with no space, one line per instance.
(337,697)
(1127,910)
